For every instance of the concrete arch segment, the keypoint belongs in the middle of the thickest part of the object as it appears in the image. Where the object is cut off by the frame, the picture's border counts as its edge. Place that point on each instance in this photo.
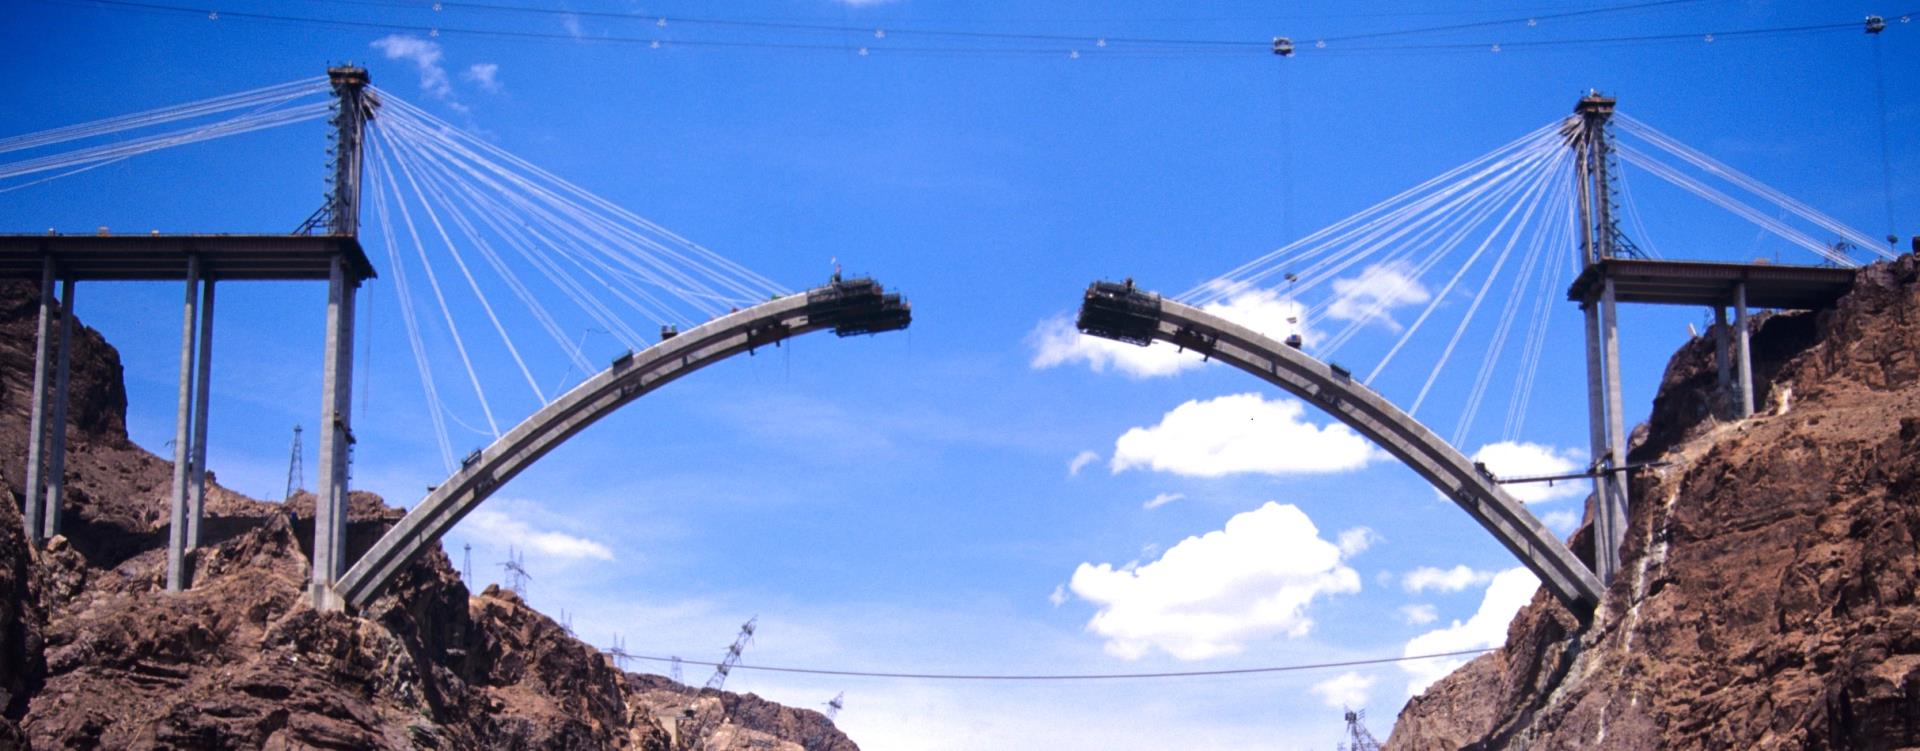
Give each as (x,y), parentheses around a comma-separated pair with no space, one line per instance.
(851,307)
(1123,313)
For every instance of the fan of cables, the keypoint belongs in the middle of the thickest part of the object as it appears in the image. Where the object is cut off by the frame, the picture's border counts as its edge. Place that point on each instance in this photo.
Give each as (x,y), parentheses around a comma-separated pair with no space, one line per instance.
(1416,273)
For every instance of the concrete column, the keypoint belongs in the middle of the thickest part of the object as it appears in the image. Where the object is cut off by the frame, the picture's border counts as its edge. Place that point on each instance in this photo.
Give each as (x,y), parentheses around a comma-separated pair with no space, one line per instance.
(36,423)
(57,455)
(330,498)
(182,439)
(1603,565)
(1720,360)
(197,480)
(1743,334)
(1616,505)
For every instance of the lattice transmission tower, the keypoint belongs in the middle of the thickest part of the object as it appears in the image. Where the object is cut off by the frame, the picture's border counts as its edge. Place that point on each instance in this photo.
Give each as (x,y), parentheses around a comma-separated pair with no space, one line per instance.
(732,658)
(517,576)
(296,472)
(1358,739)
(833,707)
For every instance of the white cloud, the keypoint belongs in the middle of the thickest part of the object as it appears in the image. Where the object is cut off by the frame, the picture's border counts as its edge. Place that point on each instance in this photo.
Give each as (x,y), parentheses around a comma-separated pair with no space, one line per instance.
(1419,614)
(485,75)
(1056,342)
(1080,462)
(424,55)
(1522,459)
(1510,591)
(1443,580)
(1561,522)
(1161,500)
(1345,691)
(1059,596)
(1375,292)
(1355,541)
(1210,595)
(497,526)
(1241,433)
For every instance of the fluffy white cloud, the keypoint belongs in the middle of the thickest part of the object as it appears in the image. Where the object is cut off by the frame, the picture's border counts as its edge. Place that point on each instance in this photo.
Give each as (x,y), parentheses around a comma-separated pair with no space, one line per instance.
(1345,691)
(495,525)
(1059,596)
(425,55)
(1522,459)
(1080,462)
(1375,292)
(485,75)
(1510,590)
(1419,614)
(1161,500)
(1444,580)
(1357,540)
(1056,342)
(1241,433)
(1210,595)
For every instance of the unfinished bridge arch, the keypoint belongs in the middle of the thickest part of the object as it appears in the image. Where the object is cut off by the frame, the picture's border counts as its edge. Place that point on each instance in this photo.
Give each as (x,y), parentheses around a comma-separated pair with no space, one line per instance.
(849,307)
(1123,313)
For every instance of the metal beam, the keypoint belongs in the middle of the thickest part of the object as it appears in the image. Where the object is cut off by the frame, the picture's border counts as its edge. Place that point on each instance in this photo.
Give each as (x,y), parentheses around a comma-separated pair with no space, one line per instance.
(57,440)
(1769,285)
(182,437)
(1123,316)
(36,420)
(164,257)
(849,308)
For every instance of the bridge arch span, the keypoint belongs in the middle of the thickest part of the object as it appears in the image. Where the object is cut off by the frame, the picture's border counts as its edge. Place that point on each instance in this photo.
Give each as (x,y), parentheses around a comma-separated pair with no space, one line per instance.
(850,307)
(1123,313)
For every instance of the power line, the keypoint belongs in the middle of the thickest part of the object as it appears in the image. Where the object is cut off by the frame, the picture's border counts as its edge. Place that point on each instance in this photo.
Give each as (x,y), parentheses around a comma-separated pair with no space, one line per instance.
(1075,676)
(1091,44)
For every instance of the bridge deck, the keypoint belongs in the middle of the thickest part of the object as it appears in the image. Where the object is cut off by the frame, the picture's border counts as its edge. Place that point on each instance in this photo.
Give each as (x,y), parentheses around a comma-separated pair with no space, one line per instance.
(1711,284)
(164,257)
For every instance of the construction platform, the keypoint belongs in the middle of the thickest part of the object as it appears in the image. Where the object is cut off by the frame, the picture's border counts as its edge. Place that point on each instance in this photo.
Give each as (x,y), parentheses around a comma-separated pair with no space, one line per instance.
(164,257)
(1713,285)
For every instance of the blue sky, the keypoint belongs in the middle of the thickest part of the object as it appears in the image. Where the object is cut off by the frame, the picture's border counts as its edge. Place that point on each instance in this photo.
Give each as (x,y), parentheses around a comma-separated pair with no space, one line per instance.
(909,502)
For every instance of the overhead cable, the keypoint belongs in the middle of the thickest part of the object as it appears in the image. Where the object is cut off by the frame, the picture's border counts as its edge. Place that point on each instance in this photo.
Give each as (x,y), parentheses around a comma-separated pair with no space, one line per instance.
(1077,676)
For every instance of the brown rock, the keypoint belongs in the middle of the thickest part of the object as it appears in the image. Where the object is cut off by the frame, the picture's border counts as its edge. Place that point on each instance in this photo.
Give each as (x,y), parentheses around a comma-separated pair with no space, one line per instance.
(1767,598)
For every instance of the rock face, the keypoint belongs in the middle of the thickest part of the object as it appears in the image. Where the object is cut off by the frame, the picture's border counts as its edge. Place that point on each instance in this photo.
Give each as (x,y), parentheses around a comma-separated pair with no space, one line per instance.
(1767,598)
(93,653)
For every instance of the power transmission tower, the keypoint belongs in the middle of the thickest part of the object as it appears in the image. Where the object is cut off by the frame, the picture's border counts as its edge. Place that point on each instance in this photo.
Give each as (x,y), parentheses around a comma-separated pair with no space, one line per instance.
(733,655)
(517,576)
(466,572)
(675,675)
(833,707)
(1358,739)
(619,652)
(296,473)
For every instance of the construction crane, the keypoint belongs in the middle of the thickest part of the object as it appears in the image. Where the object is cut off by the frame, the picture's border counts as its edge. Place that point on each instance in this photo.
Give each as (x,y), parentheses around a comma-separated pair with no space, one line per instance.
(732,658)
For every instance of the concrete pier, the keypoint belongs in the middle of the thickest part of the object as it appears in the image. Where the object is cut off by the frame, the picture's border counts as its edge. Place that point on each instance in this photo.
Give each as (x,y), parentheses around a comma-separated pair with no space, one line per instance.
(36,420)
(182,436)
(57,436)
(203,375)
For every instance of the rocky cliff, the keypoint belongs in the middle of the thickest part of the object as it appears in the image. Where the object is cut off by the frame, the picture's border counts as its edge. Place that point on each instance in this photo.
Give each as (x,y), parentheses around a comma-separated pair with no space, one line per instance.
(1767,598)
(94,654)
